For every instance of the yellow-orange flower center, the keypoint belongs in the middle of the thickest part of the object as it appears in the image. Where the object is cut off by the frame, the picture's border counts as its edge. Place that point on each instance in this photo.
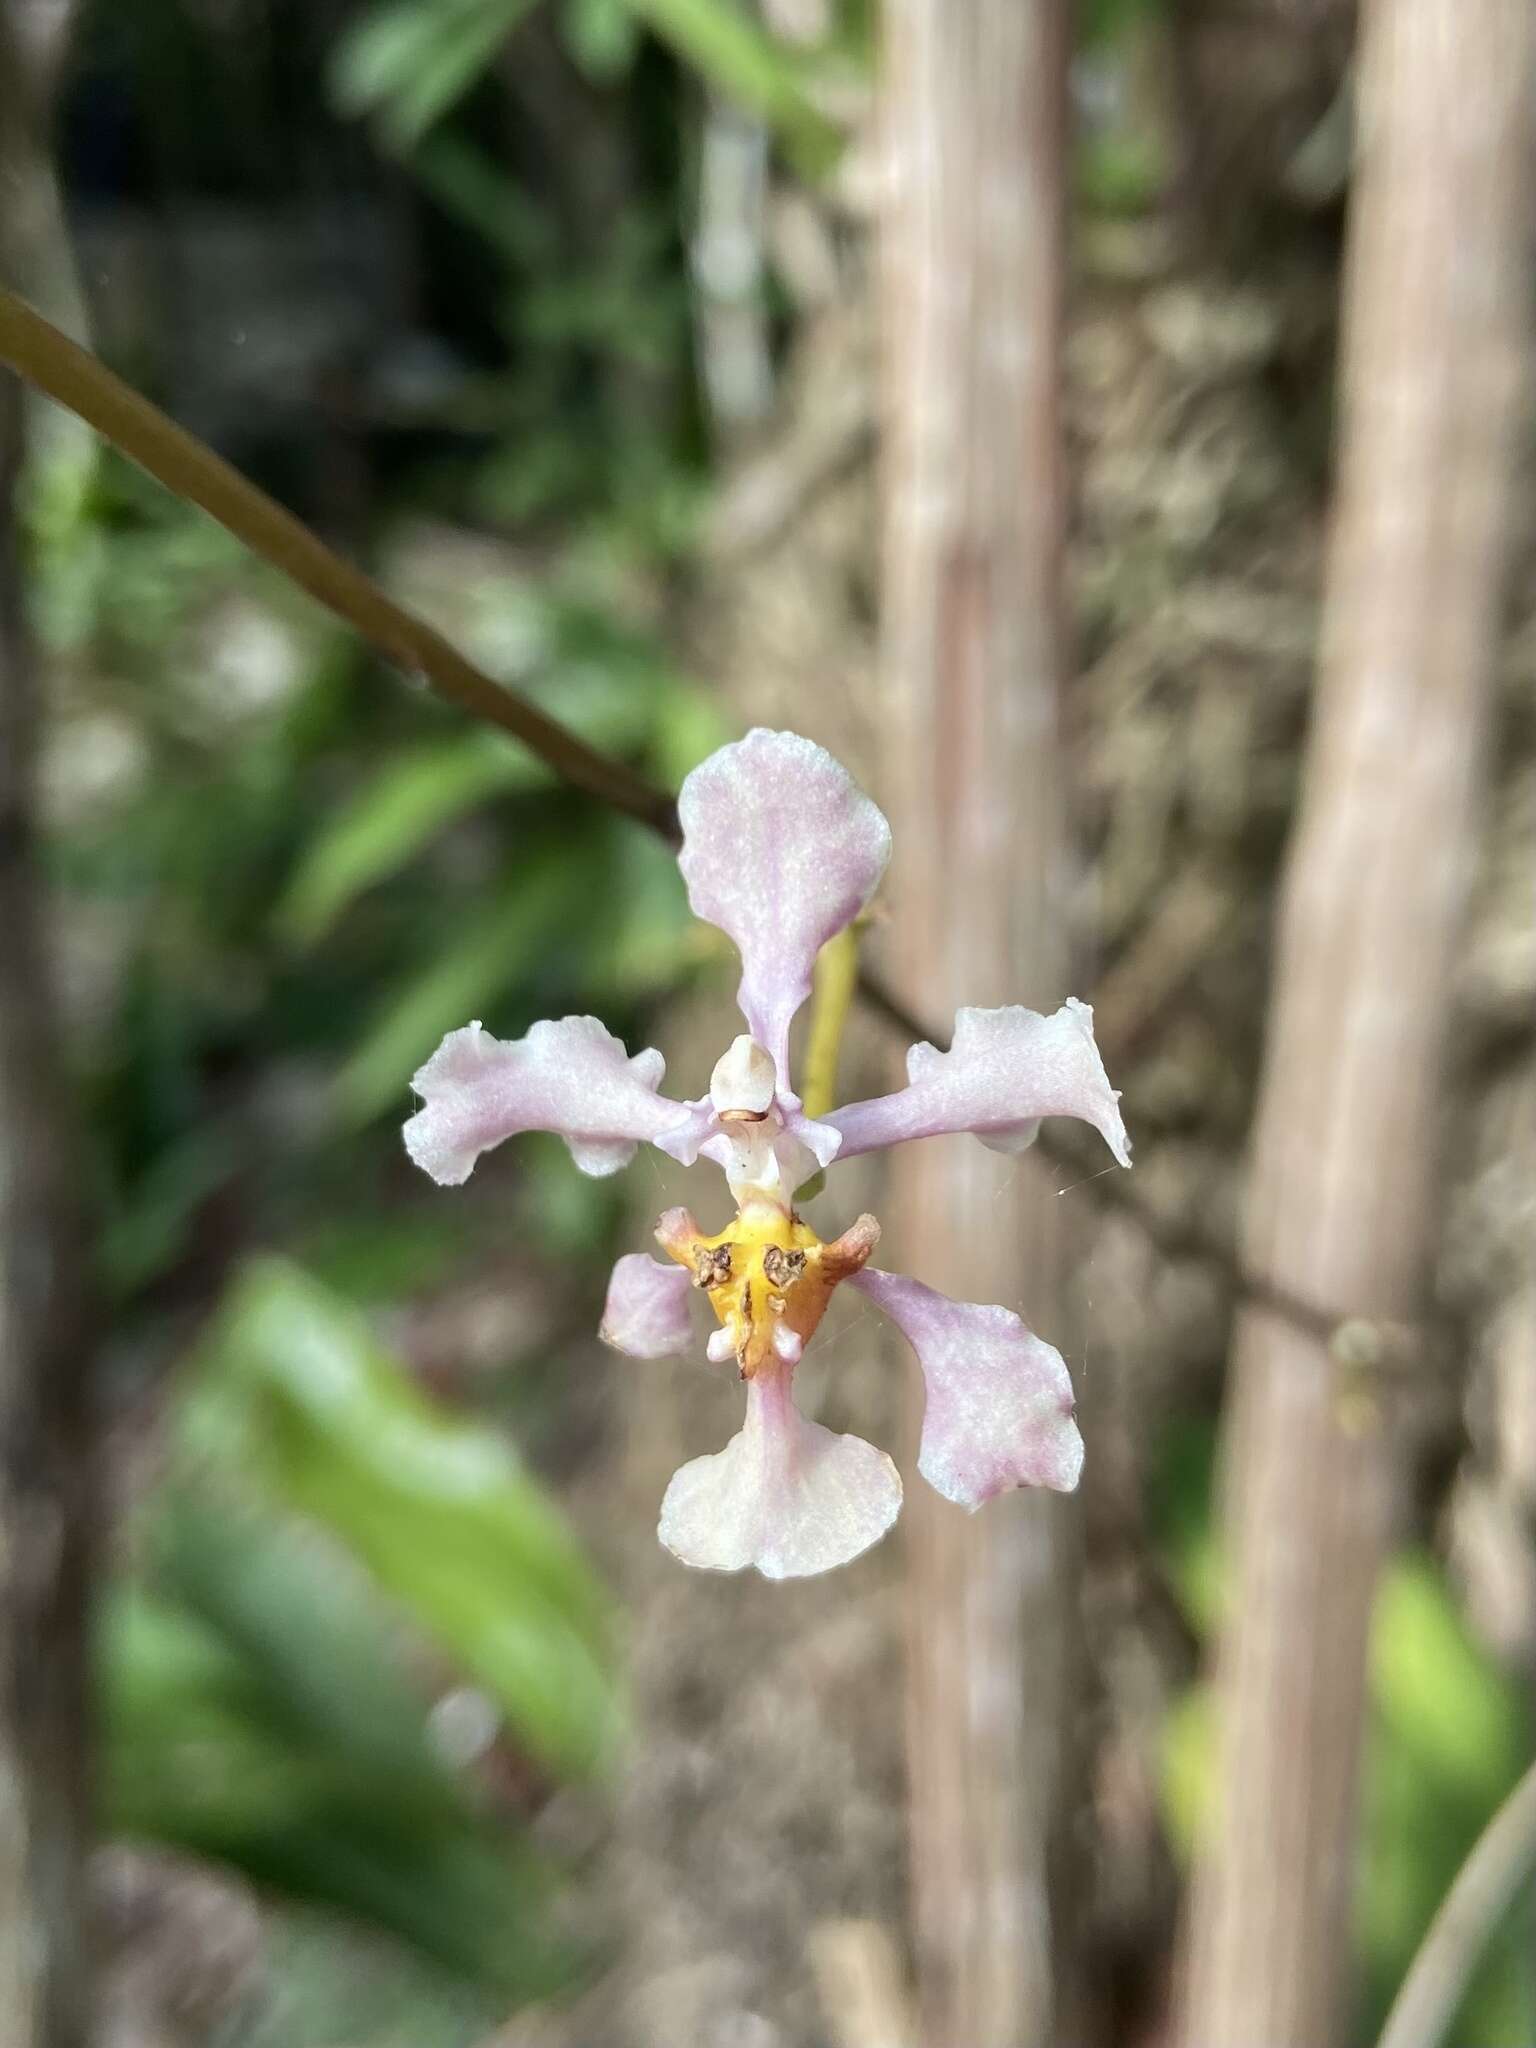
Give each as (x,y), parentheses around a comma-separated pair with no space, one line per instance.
(768,1277)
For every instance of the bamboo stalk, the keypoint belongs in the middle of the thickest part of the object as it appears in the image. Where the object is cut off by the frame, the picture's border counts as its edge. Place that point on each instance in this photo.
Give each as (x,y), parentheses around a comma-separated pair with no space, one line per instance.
(972,658)
(1342,1200)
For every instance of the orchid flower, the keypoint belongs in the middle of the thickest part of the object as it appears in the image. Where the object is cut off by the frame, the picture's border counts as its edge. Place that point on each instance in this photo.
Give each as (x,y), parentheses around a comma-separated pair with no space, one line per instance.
(782,851)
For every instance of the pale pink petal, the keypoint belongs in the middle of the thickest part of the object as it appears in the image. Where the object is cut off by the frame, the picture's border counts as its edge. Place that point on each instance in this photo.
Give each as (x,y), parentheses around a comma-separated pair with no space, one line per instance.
(695,1122)
(1005,1070)
(784,1495)
(646,1314)
(821,1139)
(999,1399)
(572,1076)
(781,850)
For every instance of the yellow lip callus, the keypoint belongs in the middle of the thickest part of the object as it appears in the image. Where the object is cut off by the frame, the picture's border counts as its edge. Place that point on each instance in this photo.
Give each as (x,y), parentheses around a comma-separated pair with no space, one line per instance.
(768,1277)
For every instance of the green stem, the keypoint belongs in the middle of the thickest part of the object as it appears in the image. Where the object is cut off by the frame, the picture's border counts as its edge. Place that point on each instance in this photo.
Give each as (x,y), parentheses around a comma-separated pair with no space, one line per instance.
(34,348)
(832,992)
(836,977)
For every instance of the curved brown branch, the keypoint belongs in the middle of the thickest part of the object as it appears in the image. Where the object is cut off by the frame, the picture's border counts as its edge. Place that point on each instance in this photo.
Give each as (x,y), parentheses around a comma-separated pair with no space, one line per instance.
(75,378)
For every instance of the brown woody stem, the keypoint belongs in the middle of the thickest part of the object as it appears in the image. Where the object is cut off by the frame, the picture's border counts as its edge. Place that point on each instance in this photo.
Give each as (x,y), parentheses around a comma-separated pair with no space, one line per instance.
(75,378)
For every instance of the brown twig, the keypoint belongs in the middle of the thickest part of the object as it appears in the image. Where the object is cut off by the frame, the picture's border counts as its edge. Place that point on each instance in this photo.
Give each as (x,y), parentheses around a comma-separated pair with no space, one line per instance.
(74,377)
(1502,1857)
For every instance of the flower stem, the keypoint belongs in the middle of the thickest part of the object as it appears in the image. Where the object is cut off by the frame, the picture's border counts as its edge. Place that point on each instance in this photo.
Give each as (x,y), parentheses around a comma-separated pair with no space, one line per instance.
(832,993)
(836,977)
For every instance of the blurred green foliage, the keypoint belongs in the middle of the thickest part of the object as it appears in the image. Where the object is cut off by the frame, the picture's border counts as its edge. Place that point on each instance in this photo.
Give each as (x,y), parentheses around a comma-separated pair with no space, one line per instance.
(283,876)
(356,1649)
(300,876)
(407,63)
(295,1393)
(1447,1738)
(291,877)
(329,1552)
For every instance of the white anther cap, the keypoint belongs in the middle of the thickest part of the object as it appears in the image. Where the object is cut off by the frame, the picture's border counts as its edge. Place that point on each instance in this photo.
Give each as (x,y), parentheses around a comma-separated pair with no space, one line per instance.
(744,1079)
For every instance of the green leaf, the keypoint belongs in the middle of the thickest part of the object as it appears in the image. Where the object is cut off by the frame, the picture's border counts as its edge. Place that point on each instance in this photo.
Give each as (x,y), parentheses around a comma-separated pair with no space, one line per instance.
(149,1231)
(271,1598)
(1446,1739)
(1111,21)
(1450,1735)
(411,62)
(602,36)
(643,939)
(379,50)
(465,180)
(268,1725)
(294,1387)
(738,58)
(385,1257)
(689,727)
(605,686)
(386,823)
(1187,1744)
(484,956)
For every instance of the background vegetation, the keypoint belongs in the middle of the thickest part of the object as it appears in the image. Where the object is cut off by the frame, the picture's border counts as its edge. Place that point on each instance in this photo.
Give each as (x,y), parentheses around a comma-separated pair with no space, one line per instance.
(520,304)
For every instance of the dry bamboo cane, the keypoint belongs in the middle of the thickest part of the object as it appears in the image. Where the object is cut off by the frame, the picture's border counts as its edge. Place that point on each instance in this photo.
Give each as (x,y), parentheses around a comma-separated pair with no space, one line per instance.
(1342,1205)
(972,654)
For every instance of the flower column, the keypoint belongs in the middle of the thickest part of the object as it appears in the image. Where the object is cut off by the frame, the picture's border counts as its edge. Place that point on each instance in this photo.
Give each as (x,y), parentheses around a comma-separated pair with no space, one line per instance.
(972,660)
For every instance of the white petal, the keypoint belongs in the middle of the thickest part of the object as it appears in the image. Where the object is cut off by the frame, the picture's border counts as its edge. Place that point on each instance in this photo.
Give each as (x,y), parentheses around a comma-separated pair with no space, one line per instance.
(1006,1070)
(781,850)
(646,1314)
(999,1411)
(785,1495)
(572,1076)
